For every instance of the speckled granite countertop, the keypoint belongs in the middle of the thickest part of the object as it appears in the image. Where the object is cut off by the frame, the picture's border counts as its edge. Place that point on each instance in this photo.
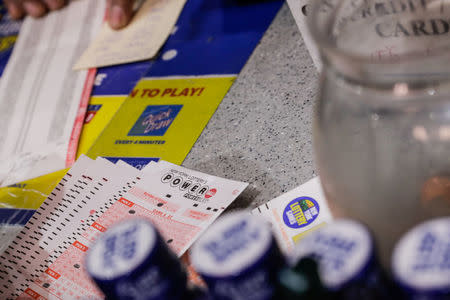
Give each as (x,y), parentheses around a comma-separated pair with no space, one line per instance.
(262,131)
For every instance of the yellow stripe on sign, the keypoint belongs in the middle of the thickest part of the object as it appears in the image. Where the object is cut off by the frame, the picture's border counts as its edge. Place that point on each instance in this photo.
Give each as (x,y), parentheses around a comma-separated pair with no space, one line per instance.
(7,42)
(31,193)
(300,236)
(97,120)
(162,118)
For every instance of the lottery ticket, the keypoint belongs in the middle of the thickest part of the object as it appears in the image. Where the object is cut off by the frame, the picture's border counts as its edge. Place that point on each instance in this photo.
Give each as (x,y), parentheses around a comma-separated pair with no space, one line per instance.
(8,234)
(85,192)
(188,197)
(180,202)
(140,40)
(296,213)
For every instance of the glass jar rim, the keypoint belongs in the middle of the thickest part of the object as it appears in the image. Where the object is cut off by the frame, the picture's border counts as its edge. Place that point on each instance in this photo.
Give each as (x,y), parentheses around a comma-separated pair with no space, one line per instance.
(360,66)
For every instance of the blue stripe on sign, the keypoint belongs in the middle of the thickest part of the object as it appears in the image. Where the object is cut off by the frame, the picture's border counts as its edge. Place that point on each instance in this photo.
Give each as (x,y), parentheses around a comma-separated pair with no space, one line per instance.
(119,79)
(214,37)
(137,162)
(8,28)
(14,216)
(94,107)
(211,37)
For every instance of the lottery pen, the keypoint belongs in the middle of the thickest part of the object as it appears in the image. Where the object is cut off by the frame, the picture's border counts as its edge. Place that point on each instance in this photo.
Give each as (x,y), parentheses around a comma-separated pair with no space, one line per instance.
(347,261)
(131,261)
(421,261)
(238,258)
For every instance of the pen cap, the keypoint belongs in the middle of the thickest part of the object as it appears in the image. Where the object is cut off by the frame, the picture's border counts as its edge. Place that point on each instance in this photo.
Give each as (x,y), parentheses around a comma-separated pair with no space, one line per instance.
(131,261)
(238,258)
(345,254)
(421,261)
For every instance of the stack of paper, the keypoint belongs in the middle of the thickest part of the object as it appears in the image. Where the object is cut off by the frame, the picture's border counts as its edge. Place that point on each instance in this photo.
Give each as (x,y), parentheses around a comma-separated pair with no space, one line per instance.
(46,259)
(42,101)
(140,40)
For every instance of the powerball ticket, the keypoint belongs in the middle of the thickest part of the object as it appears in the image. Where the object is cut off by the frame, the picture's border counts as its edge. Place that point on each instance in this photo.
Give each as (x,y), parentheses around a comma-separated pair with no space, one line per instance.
(296,213)
(84,193)
(180,202)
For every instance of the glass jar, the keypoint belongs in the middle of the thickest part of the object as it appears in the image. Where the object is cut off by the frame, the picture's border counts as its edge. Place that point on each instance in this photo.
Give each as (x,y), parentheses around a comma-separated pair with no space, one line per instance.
(382,123)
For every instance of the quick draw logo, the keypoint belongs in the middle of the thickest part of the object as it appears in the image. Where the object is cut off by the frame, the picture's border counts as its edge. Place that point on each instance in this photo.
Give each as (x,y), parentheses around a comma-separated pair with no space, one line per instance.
(155,120)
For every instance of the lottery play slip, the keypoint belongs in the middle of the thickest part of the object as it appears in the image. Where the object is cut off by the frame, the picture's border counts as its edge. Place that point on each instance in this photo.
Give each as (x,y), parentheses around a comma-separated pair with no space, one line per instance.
(296,213)
(46,259)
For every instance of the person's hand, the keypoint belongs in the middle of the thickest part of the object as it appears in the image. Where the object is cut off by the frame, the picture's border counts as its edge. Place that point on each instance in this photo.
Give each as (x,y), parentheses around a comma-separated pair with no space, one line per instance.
(36,8)
(118,13)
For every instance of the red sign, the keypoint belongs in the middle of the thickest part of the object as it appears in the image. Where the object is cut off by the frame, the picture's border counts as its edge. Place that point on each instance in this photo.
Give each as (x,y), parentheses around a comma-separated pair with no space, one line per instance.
(80,246)
(98,227)
(126,202)
(33,294)
(52,273)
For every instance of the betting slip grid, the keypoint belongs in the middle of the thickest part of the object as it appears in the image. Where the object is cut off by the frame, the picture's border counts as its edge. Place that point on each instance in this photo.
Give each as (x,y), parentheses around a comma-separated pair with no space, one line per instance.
(291,221)
(74,203)
(179,220)
(93,195)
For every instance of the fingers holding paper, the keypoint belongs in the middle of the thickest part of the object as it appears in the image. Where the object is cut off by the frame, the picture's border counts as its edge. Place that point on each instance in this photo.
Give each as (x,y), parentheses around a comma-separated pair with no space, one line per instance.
(35,8)
(119,12)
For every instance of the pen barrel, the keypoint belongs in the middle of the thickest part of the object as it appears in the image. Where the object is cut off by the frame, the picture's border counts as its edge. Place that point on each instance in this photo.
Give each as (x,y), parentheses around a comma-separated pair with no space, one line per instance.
(238,258)
(131,261)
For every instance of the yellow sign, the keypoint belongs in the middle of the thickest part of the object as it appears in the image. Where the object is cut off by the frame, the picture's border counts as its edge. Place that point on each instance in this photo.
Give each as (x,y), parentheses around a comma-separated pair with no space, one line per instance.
(162,118)
(7,42)
(31,193)
(100,112)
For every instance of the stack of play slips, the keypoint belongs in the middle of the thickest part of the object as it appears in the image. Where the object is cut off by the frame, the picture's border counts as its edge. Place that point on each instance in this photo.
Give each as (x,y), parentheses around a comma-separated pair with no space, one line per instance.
(296,213)
(46,259)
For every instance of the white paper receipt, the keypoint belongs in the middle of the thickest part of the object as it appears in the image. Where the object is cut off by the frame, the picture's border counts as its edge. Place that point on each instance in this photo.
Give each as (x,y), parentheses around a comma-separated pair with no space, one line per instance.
(296,213)
(42,101)
(140,40)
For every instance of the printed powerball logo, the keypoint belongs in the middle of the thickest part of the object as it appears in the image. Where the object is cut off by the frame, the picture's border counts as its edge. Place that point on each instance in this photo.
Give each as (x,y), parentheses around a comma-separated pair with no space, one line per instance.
(155,120)
(301,212)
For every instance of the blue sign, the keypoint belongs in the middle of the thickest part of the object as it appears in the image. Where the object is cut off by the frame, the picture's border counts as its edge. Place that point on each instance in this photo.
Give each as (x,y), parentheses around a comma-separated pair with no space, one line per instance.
(119,79)
(155,120)
(137,162)
(214,37)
